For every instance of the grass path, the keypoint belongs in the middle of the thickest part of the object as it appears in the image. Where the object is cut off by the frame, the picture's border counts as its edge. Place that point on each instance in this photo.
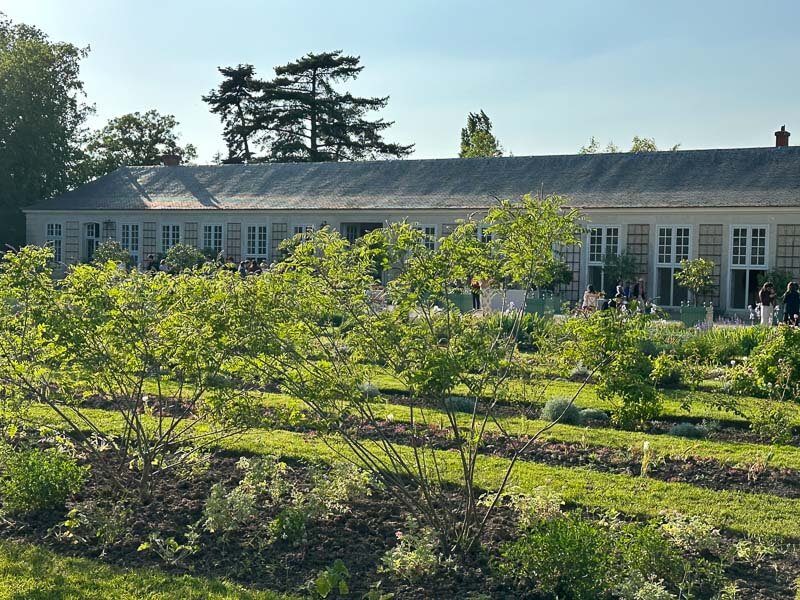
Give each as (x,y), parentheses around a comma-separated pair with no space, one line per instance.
(756,514)
(33,573)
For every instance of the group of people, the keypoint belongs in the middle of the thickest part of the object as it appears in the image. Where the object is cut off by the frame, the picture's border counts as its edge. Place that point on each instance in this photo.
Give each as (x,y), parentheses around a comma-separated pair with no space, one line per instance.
(252,267)
(768,301)
(624,294)
(151,265)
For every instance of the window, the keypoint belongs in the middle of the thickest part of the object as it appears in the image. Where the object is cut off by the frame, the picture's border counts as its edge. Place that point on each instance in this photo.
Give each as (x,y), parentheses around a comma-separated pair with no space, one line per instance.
(256,242)
(129,240)
(602,242)
(92,238)
(673,247)
(303,229)
(429,231)
(280,231)
(53,235)
(170,235)
(212,238)
(483,236)
(748,262)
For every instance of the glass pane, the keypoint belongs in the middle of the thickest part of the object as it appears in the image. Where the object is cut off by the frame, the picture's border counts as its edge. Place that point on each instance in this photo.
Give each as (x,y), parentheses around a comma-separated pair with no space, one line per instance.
(664,245)
(595,245)
(596,277)
(681,244)
(664,286)
(612,240)
(739,250)
(758,246)
(738,288)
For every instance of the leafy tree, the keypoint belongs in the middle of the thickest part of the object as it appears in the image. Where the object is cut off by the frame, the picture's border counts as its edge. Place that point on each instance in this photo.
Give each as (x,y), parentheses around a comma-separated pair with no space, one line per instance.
(235,101)
(620,267)
(112,250)
(697,275)
(299,116)
(638,144)
(181,257)
(477,139)
(158,351)
(135,139)
(430,349)
(42,120)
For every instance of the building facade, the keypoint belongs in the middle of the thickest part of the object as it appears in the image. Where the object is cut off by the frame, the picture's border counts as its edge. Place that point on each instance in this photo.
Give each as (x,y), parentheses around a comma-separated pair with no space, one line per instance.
(739,208)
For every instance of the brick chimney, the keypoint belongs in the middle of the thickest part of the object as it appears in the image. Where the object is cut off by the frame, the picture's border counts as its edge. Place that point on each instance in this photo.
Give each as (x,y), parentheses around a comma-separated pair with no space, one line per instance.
(782,137)
(173,160)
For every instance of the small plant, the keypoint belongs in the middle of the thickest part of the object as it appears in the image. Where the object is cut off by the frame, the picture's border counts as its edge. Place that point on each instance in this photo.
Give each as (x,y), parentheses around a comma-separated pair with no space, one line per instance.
(566,558)
(416,555)
(460,404)
(666,371)
(169,549)
(34,480)
(648,456)
(756,551)
(330,582)
(562,410)
(542,505)
(108,523)
(692,534)
(688,430)
(772,421)
(696,275)
(374,593)
(593,414)
(759,466)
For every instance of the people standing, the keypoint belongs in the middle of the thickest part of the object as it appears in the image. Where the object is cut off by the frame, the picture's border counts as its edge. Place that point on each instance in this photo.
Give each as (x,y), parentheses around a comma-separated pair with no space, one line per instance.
(475,287)
(766,296)
(589,298)
(791,303)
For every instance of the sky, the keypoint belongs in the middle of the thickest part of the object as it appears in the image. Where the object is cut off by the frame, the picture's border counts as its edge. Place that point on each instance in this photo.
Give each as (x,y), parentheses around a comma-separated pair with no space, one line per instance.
(702,74)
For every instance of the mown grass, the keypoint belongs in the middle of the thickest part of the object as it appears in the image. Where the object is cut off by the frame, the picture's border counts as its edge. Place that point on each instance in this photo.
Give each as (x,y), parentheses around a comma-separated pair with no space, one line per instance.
(732,453)
(33,573)
(754,514)
(702,404)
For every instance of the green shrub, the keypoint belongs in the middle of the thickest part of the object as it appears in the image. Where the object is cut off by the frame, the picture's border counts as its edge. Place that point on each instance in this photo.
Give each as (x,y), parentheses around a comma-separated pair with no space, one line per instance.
(562,409)
(666,370)
(687,430)
(183,256)
(775,362)
(531,330)
(459,404)
(593,414)
(567,558)
(34,480)
(416,555)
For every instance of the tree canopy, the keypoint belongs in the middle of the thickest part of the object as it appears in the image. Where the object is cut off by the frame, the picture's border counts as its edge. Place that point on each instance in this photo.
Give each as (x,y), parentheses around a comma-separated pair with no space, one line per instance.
(300,116)
(638,144)
(477,139)
(135,139)
(42,121)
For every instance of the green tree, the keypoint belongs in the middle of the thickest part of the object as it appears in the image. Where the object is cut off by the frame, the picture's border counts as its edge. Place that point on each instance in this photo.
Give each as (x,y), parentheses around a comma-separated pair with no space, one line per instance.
(111,250)
(620,267)
(638,144)
(303,118)
(135,139)
(235,100)
(430,349)
(42,119)
(159,351)
(477,139)
(181,257)
(696,275)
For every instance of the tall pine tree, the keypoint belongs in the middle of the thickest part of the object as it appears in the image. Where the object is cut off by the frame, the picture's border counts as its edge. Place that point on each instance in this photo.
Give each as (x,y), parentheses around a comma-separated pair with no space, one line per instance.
(477,139)
(300,116)
(235,101)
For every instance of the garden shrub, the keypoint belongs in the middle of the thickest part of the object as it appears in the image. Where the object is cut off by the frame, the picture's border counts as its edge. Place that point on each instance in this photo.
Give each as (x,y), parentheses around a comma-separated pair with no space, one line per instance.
(459,404)
(541,505)
(562,409)
(775,361)
(568,558)
(34,480)
(530,330)
(593,414)
(687,430)
(666,371)
(416,555)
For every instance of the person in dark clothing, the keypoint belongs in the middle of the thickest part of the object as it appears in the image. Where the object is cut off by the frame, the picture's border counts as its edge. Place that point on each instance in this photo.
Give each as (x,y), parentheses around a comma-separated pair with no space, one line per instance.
(475,286)
(791,303)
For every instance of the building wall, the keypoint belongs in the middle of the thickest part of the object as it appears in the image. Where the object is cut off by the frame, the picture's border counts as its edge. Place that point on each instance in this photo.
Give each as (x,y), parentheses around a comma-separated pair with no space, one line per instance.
(710,233)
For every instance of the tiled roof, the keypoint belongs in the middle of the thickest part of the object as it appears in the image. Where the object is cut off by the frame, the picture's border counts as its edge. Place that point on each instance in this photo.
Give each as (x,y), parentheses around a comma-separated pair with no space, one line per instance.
(747,177)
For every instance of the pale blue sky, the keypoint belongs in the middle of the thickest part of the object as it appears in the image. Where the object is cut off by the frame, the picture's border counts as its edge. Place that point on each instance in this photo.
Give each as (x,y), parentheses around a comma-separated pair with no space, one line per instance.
(706,74)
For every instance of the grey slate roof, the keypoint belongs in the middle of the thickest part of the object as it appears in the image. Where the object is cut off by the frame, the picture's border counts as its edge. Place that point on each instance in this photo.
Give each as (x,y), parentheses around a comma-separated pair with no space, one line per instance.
(746,177)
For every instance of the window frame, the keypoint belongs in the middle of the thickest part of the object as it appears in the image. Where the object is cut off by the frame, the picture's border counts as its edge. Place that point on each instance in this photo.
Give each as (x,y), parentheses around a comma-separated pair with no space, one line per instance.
(171,225)
(58,250)
(246,255)
(221,237)
(748,265)
(603,250)
(431,239)
(673,263)
(137,256)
